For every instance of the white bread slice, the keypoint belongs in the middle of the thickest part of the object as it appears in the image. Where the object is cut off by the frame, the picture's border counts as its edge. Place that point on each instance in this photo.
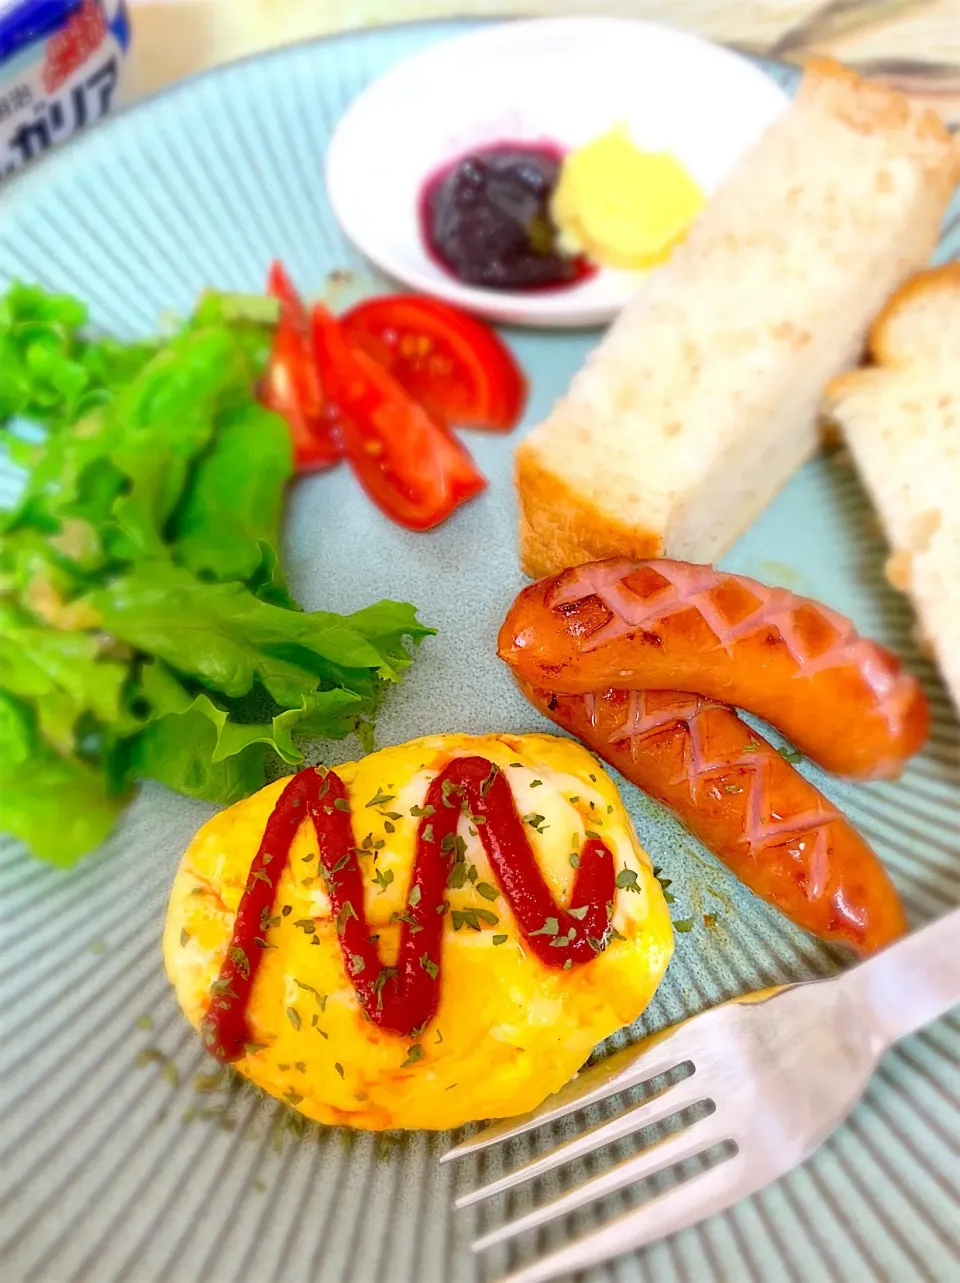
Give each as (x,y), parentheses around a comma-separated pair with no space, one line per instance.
(901,421)
(702,398)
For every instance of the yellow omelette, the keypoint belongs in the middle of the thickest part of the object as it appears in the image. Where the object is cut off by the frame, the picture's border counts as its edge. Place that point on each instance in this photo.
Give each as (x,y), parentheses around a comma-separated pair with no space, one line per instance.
(508,1030)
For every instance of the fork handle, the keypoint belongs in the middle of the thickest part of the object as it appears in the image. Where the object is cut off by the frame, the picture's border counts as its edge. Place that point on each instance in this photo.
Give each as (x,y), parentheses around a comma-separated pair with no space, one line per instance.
(914,981)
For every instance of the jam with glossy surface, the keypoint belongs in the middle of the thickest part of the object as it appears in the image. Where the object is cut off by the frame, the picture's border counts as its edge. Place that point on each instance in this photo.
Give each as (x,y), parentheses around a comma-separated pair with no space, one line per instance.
(486,219)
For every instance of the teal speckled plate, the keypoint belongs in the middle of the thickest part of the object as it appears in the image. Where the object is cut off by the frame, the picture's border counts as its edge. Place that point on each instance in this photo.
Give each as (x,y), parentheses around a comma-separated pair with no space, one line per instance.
(114,1166)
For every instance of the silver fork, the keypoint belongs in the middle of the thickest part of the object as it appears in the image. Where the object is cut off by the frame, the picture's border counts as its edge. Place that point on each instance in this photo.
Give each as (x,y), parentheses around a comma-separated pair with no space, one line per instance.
(781,1069)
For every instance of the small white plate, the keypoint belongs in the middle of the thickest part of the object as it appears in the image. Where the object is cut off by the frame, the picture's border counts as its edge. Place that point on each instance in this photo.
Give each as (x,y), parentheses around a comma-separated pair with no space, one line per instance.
(563,80)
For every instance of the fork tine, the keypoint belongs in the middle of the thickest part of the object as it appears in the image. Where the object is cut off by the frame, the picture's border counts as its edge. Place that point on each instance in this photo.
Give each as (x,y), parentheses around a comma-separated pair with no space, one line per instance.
(616,1073)
(688,1143)
(701,1196)
(667,1102)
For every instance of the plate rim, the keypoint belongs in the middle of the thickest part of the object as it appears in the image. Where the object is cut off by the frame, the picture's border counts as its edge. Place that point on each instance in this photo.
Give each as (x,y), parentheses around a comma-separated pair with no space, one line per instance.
(18,185)
(798,1253)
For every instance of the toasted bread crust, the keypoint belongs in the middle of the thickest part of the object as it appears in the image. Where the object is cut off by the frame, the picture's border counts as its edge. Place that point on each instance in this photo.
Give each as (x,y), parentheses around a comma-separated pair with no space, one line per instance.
(563,523)
(835,390)
(558,527)
(870,107)
(899,417)
(944,279)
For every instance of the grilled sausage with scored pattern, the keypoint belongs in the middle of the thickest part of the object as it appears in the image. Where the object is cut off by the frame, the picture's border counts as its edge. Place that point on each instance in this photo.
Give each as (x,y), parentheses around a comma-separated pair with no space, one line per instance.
(842,700)
(744,801)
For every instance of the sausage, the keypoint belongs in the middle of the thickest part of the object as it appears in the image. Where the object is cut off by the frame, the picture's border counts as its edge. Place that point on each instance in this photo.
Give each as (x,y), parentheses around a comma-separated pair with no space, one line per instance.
(734,791)
(669,625)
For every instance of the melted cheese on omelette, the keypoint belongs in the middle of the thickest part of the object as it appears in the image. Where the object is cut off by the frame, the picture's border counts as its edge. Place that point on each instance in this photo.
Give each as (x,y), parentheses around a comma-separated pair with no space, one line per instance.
(508,1030)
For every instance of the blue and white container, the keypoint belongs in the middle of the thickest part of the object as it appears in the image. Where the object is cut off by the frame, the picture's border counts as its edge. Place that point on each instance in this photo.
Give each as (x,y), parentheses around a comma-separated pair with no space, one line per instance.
(61,68)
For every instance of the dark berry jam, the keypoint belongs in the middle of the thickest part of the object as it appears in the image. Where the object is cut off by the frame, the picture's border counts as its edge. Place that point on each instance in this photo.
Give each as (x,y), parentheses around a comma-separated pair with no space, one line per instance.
(486,219)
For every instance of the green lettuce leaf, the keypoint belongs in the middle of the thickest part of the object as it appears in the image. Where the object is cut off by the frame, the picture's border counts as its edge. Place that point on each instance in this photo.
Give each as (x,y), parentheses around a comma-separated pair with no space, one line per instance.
(230,512)
(126,464)
(267,582)
(330,713)
(146,630)
(197,748)
(226,638)
(64,675)
(386,624)
(179,751)
(60,806)
(48,372)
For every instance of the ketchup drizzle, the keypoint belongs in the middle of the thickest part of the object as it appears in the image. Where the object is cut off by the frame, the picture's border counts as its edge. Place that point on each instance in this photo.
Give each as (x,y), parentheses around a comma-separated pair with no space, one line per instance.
(404,997)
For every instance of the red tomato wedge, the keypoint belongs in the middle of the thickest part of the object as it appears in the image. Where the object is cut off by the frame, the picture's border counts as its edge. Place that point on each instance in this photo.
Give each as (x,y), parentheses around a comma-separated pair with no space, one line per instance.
(292,386)
(459,370)
(409,465)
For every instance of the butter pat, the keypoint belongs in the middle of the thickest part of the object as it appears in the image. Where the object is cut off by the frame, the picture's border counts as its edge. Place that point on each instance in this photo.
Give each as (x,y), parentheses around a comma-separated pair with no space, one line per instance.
(622,206)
